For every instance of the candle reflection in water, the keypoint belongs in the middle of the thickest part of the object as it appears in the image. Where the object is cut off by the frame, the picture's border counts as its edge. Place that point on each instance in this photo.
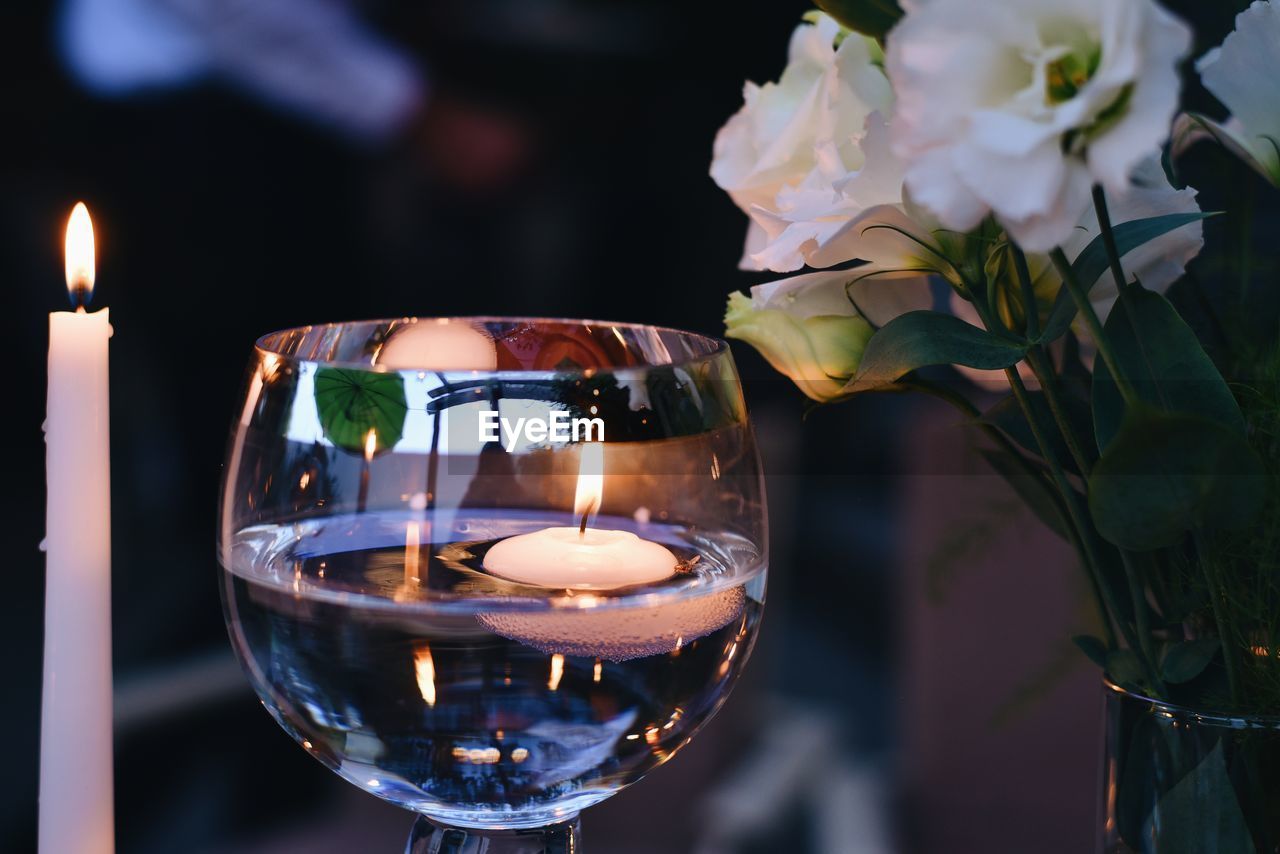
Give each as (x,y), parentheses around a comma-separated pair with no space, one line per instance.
(424,668)
(557,671)
(412,553)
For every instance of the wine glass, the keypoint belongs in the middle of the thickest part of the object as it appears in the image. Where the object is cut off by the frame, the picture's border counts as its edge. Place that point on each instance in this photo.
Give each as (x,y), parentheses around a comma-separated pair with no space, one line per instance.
(492,570)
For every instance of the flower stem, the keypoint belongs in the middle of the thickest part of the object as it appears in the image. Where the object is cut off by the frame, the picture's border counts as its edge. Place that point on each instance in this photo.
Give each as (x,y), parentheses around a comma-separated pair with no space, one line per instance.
(965,406)
(1048,383)
(1043,371)
(1117,272)
(1084,536)
(1094,326)
(1216,600)
(1079,519)
(1041,366)
(1034,474)
(971,412)
(1142,616)
(1109,238)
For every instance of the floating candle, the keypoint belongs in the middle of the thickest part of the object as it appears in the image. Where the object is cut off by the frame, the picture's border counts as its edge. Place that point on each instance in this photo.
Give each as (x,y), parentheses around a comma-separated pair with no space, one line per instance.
(582,558)
(442,344)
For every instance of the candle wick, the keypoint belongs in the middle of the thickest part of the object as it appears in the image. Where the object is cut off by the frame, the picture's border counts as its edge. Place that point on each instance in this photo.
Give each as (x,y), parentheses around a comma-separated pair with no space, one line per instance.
(582,529)
(80,293)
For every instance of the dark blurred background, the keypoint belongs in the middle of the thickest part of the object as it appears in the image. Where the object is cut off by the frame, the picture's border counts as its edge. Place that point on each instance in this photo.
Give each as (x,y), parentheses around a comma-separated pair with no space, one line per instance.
(258,164)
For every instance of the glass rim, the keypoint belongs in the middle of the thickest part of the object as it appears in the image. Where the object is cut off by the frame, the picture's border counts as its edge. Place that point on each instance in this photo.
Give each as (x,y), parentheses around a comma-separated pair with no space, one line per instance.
(1206,717)
(268,344)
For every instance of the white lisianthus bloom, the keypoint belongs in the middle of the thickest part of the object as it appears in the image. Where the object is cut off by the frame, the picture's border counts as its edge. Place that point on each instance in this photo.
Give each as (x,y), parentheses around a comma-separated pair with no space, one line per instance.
(1242,74)
(783,154)
(1156,264)
(1017,107)
(822,220)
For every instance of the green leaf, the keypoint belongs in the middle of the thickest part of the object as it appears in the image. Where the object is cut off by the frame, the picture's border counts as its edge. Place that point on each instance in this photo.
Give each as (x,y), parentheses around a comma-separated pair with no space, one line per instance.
(1093,648)
(1166,474)
(1125,669)
(870,17)
(1034,491)
(919,339)
(1186,660)
(1164,363)
(1200,813)
(350,403)
(1092,263)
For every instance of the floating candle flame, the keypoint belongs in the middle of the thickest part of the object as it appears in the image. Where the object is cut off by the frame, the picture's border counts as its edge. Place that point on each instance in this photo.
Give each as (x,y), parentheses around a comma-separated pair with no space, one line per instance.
(582,558)
(590,491)
(80,262)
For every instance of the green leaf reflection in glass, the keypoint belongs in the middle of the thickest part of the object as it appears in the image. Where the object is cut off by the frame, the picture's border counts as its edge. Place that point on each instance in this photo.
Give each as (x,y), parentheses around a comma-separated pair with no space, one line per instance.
(350,403)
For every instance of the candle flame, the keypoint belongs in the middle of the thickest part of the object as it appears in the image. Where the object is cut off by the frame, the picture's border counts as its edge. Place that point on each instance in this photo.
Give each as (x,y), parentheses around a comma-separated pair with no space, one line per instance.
(424,668)
(590,492)
(370,444)
(80,256)
(557,671)
(412,549)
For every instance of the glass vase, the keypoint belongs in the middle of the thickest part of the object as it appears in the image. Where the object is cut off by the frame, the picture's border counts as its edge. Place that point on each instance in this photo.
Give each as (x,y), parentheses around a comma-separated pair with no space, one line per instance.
(1176,779)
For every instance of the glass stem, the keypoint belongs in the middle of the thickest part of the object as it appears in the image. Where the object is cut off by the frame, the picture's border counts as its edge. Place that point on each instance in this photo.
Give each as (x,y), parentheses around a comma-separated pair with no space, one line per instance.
(431,838)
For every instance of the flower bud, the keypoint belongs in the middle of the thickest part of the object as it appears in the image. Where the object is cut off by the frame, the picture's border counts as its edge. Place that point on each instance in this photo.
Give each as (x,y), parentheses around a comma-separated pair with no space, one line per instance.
(820,353)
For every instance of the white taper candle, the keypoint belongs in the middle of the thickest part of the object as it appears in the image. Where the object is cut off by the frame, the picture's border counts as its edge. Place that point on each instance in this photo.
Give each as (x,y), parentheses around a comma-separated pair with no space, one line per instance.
(76,788)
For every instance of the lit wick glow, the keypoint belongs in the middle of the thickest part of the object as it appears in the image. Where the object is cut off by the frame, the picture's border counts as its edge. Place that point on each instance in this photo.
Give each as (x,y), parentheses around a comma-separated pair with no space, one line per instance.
(424,669)
(590,491)
(80,260)
(370,446)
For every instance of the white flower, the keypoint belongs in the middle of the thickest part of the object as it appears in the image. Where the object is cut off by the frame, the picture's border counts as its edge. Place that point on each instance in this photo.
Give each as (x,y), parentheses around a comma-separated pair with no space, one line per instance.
(1158,263)
(822,221)
(790,320)
(1017,107)
(788,158)
(1243,74)
(815,341)
(813,328)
